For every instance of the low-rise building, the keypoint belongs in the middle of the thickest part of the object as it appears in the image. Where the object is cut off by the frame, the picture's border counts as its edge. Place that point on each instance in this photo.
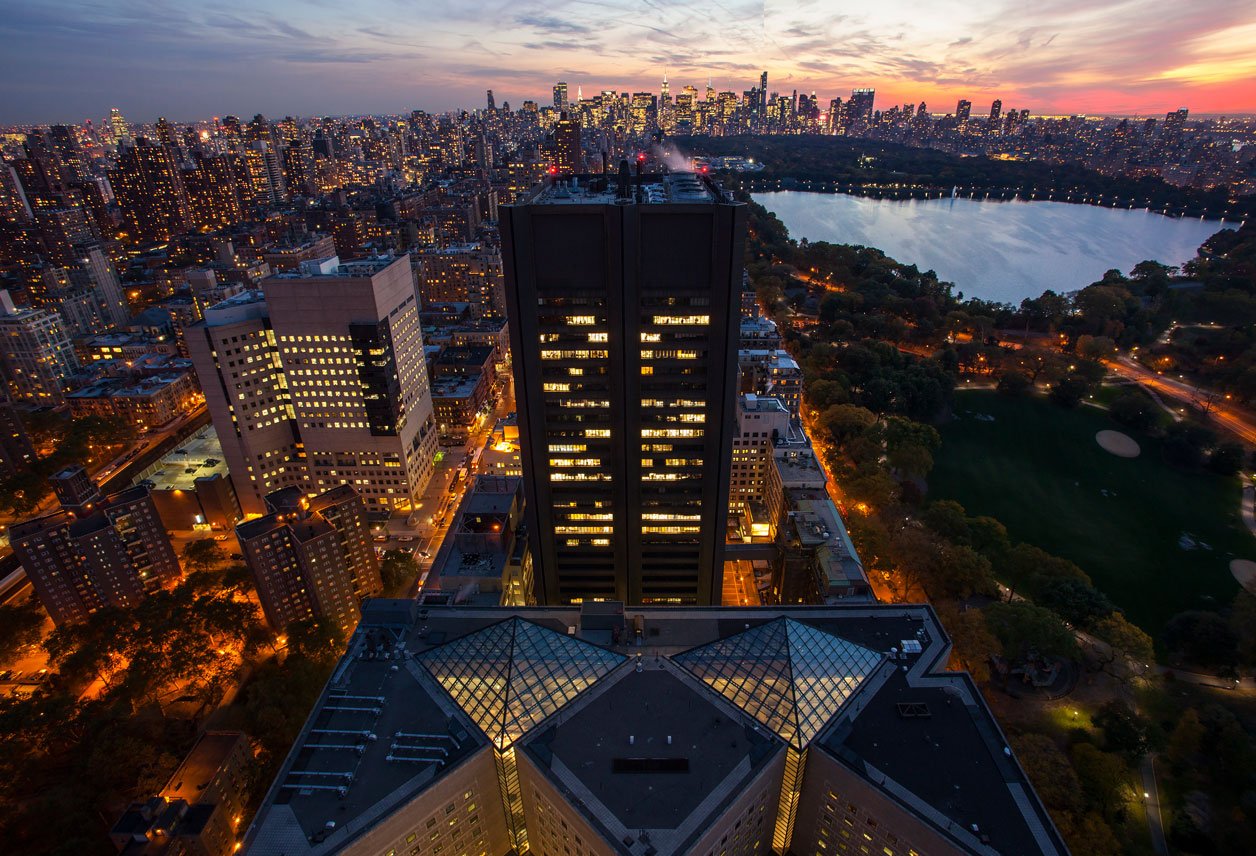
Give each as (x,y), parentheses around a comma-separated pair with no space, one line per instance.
(288,256)
(199,811)
(772,373)
(458,401)
(145,402)
(482,556)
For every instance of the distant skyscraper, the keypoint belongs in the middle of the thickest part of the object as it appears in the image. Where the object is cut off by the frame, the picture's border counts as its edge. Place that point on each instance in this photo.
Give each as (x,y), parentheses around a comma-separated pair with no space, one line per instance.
(560,95)
(491,105)
(763,95)
(861,101)
(149,188)
(91,283)
(95,552)
(623,307)
(118,126)
(996,110)
(318,380)
(963,110)
(567,154)
(263,175)
(311,558)
(213,189)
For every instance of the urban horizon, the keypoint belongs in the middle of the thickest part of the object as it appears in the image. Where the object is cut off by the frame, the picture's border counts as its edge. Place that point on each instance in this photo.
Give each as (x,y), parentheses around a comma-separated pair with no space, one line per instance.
(1056,57)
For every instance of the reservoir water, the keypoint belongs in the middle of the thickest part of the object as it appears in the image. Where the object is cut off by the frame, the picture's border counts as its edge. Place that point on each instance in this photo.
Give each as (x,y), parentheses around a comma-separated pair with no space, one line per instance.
(1004,251)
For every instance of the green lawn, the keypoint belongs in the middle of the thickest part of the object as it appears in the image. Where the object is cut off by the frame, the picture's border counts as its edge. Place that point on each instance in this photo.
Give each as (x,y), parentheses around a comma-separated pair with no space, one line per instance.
(1037,468)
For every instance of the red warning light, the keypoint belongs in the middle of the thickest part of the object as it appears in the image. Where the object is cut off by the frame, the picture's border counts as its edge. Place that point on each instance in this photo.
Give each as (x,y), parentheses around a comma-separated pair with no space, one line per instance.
(553,170)
(640,156)
(705,169)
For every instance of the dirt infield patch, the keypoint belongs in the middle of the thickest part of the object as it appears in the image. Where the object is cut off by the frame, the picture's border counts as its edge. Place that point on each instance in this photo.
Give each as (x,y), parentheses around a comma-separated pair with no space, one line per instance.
(1116,443)
(1244,571)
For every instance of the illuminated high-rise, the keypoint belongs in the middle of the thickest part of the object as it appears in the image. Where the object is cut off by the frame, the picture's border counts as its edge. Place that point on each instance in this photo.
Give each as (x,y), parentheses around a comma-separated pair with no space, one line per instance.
(963,111)
(860,104)
(560,95)
(623,307)
(149,188)
(319,380)
(568,158)
(118,126)
(36,354)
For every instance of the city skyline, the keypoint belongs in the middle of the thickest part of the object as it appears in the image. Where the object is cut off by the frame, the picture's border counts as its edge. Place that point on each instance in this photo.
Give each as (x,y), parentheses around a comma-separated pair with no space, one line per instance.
(309,58)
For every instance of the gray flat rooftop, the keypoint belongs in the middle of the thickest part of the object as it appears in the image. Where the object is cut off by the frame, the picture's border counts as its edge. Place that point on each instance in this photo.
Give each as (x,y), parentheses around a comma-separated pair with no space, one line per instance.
(171,472)
(655,189)
(366,697)
(948,753)
(652,783)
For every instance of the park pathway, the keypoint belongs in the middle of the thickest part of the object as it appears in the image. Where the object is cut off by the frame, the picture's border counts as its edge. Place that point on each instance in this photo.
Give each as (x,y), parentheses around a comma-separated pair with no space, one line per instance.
(1151,801)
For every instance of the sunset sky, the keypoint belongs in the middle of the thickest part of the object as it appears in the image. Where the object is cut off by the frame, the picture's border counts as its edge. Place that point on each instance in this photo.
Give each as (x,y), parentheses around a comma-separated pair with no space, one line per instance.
(66,60)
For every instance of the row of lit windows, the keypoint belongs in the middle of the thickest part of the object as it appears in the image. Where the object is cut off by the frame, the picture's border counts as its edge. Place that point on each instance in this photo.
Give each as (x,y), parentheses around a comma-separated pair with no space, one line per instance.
(681,320)
(573,354)
(672,518)
(672,432)
(668,354)
(670,530)
(583,530)
(579,477)
(678,402)
(575,462)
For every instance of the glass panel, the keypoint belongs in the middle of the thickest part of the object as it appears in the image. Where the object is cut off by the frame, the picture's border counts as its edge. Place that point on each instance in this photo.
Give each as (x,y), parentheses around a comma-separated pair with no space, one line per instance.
(512,675)
(788,676)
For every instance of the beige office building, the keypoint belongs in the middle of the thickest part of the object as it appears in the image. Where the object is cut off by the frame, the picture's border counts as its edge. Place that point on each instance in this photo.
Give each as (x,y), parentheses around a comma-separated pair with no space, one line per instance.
(317,380)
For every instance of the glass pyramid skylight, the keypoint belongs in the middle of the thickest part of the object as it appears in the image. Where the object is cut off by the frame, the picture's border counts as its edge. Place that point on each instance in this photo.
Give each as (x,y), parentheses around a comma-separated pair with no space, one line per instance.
(789,676)
(510,676)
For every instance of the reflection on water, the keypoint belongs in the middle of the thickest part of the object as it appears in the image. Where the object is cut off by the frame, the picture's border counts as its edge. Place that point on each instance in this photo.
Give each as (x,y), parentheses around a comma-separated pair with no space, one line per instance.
(1003,251)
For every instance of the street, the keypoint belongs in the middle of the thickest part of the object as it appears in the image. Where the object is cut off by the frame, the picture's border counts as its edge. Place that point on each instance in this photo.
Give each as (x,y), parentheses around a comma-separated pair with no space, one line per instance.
(434,513)
(1234,419)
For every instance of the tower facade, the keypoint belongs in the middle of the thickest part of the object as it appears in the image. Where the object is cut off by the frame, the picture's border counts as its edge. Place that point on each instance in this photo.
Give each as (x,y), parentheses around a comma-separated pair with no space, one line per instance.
(623,322)
(319,380)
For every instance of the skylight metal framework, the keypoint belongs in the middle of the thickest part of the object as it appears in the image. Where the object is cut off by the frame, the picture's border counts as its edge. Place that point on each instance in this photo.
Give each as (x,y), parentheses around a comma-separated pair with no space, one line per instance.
(510,676)
(789,676)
